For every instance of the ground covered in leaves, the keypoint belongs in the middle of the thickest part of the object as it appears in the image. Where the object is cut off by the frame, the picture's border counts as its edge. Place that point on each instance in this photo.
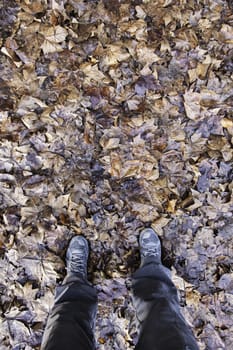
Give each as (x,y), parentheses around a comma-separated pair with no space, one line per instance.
(116,115)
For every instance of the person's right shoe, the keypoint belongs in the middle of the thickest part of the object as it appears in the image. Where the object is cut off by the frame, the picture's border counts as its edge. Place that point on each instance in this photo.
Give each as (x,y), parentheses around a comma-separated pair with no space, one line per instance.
(150,246)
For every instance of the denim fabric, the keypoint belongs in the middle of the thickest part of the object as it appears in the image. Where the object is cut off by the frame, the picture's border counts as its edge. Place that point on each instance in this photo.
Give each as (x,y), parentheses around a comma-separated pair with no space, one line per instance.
(71,323)
(162,326)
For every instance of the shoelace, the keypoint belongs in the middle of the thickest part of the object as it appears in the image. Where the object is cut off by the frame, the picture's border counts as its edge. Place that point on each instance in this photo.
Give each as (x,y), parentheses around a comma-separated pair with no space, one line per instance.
(151,251)
(77,263)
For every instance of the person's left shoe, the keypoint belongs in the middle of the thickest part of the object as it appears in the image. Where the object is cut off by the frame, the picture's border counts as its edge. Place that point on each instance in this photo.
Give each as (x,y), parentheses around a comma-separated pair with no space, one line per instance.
(77,256)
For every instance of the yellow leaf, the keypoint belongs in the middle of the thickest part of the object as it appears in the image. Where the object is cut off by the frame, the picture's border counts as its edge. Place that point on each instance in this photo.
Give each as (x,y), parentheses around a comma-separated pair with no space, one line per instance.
(146,55)
(192,105)
(192,75)
(116,165)
(55,34)
(202,70)
(49,47)
(101,340)
(53,37)
(140,13)
(227,123)
(131,168)
(171,206)
(226,34)
(114,54)
(92,73)
(145,212)
(111,143)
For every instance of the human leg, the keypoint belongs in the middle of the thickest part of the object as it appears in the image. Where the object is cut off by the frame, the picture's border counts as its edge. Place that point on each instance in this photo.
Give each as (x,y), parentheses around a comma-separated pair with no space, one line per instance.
(72,319)
(162,326)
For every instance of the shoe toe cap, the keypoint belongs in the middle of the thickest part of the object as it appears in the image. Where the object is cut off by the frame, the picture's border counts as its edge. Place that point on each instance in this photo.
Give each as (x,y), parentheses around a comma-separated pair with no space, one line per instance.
(148,235)
(77,242)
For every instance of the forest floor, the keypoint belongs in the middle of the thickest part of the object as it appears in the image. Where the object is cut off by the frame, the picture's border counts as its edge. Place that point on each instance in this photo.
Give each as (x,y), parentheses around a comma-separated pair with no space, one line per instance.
(116,115)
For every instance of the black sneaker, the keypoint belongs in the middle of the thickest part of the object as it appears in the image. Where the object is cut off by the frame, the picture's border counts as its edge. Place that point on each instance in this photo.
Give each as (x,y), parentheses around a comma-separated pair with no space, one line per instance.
(76,256)
(150,246)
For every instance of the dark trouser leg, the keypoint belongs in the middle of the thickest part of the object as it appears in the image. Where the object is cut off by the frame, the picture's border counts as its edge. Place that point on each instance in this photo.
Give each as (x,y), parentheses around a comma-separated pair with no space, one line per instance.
(162,326)
(71,322)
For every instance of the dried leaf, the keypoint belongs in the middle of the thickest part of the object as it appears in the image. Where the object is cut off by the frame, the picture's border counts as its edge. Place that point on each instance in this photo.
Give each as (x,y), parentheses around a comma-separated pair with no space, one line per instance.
(115,115)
